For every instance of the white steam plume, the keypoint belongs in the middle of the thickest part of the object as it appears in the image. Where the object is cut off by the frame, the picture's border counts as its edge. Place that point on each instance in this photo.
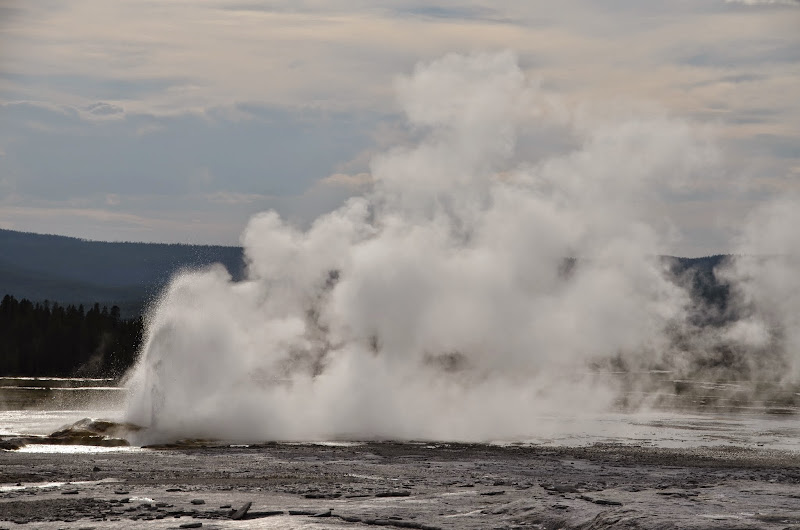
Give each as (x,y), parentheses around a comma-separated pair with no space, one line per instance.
(766,285)
(442,305)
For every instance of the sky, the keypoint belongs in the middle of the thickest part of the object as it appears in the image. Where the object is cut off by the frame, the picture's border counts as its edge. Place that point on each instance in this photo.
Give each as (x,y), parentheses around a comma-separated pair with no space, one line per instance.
(177,121)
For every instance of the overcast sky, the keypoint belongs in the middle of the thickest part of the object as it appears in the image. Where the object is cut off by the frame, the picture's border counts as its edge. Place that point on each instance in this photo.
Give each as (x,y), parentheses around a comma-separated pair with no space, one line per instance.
(178,120)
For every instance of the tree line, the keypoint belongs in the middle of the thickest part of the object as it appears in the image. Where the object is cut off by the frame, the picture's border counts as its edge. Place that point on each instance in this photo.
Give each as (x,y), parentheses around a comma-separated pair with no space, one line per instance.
(48,339)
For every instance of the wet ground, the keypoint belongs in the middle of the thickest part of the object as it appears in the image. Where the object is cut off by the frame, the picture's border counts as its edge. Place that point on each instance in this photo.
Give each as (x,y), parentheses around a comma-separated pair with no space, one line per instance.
(401,485)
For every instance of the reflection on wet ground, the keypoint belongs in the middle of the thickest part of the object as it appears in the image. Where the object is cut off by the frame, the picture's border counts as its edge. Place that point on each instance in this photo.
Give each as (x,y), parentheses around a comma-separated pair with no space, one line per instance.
(59,393)
(39,406)
(668,429)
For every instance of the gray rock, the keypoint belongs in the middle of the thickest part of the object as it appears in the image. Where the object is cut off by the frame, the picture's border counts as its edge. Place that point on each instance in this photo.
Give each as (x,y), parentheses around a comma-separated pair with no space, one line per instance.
(322,495)
(560,488)
(238,514)
(603,502)
(399,524)
(11,444)
(393,494)
(269,513)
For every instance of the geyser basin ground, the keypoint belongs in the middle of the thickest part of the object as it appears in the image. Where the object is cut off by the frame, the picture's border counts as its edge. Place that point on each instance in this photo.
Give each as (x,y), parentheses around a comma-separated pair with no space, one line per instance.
(405,485)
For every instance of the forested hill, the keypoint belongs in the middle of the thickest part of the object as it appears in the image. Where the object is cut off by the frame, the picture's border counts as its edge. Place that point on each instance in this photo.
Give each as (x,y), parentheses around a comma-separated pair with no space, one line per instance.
(68,270)
(45,339)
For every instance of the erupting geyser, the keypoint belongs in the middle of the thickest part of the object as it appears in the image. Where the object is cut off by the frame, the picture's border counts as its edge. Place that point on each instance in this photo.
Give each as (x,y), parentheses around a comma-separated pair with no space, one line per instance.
(444,304)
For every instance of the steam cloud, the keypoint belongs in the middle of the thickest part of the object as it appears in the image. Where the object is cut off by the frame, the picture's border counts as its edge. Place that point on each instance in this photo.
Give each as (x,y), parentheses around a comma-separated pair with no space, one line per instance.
(470,291)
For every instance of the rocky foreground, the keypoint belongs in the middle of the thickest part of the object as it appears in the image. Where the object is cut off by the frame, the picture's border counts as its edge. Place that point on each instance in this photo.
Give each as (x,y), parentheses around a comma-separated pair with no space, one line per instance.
(401,485)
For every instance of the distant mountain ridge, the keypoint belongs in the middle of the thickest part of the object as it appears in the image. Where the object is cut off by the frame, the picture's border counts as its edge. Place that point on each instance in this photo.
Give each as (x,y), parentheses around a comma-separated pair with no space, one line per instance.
(77,271)
(69,270)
